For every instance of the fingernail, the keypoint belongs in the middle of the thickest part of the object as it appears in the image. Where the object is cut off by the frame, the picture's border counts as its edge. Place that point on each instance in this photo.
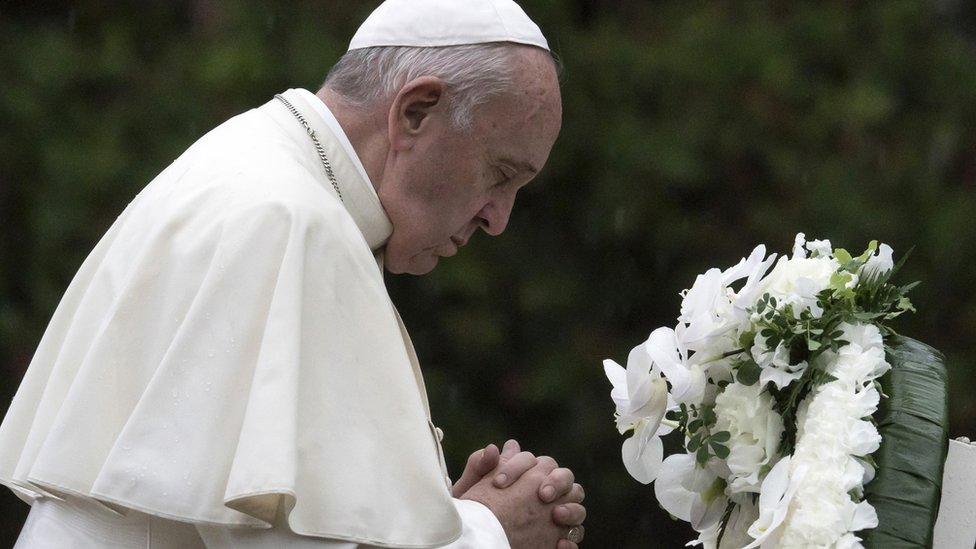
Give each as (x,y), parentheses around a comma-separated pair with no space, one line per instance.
(501,478)
(548,492)
(563,510)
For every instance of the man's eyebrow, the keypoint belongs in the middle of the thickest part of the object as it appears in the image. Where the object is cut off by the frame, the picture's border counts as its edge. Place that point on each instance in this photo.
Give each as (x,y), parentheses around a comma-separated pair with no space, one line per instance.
(520,165)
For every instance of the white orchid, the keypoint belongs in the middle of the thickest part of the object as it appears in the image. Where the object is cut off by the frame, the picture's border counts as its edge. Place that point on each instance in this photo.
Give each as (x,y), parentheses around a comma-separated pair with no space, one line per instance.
(775,363)
(687,379)
(879,263)
(711,309)
(691,493)
(778,489)
(641,395)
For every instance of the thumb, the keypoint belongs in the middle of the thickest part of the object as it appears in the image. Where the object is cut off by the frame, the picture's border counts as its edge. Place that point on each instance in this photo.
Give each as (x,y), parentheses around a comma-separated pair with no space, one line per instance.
(490,457)
(479,464)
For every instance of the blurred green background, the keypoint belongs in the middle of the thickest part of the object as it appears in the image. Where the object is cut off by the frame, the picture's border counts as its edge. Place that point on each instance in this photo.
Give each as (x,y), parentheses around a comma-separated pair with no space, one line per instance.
(692,132)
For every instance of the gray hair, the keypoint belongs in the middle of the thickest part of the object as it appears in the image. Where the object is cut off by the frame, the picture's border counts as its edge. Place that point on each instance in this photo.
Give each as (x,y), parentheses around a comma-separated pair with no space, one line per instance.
(473,74)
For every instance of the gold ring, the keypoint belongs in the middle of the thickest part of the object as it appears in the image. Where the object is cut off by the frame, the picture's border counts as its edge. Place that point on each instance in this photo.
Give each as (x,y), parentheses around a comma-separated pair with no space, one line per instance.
(575,534)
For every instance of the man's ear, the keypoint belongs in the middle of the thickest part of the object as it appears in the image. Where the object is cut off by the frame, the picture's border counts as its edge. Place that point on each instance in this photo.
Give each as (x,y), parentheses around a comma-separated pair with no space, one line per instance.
(411,110)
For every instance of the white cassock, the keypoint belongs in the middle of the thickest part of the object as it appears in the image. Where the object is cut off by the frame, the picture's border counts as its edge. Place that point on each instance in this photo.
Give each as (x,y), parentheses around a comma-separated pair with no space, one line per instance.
(226,368)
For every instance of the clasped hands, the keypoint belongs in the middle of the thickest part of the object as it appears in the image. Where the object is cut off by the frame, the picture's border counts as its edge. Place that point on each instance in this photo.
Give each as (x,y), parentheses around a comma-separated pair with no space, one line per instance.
(536,501)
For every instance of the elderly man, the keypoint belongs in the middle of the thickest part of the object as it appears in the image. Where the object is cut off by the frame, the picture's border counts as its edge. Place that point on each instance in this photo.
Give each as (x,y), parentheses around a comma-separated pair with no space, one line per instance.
(226,368)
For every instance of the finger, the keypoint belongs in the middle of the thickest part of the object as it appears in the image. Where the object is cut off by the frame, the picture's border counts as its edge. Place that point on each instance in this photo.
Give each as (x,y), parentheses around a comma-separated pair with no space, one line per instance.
(556,485)
(576,495)
(490,458)
(566,544)
(513,469)
(470,476)
(547,464)
(569,514)
(510,449)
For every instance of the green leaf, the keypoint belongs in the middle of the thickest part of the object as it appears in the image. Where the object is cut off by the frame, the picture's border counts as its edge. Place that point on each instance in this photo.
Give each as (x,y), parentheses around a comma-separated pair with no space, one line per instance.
(721,451)
(748,372)
(842,256)
(914,428)
(701,456)
(721,436)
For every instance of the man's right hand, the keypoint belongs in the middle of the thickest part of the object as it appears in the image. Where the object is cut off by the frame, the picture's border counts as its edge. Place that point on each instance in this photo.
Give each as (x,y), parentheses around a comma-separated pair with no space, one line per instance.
(528,521)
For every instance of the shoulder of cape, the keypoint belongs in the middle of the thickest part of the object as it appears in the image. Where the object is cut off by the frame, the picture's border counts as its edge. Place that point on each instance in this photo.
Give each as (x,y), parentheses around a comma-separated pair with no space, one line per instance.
(247,170)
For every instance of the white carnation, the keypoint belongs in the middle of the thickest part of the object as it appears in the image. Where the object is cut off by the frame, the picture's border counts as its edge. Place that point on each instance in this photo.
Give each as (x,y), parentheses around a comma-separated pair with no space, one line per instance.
(798,280)
(831,435)
(746,412)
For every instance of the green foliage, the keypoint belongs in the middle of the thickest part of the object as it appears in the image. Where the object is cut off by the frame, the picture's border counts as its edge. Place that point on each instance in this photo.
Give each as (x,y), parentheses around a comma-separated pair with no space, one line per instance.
(696,424)
(692,131)
(907,487)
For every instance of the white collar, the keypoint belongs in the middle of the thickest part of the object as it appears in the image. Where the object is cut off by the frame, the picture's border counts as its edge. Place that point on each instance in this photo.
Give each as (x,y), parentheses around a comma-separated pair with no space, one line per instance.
(358,195)
(331,121)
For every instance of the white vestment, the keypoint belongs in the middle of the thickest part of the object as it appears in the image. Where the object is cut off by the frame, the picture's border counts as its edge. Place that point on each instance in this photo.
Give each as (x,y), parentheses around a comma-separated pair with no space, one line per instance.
(227,359)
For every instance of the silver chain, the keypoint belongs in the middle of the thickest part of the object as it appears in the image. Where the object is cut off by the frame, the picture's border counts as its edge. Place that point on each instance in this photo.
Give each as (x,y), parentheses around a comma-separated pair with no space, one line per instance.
(315,141)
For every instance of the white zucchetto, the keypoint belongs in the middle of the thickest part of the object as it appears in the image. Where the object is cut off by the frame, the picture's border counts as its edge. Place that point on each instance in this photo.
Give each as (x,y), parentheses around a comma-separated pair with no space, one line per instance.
(432,23)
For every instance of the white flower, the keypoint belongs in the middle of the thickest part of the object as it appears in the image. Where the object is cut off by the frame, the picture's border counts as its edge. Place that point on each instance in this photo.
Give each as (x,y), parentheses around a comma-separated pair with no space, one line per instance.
(711,309)
(775,363)
(641,395)
(746,412)
(753,269)
(831,436)
(798,241)
(691,493)
(820,248)
(778,491)
(798,280)
(687,380)
(867,336)
(706,311)
(737,530)
(878,263)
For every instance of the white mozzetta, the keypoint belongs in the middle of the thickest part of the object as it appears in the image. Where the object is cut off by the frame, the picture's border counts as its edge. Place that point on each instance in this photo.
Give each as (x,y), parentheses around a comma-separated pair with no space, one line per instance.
(228,349)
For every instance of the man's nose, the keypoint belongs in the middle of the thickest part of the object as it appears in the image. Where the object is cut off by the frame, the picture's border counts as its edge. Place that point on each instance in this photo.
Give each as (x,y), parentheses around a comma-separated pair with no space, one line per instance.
(495,215)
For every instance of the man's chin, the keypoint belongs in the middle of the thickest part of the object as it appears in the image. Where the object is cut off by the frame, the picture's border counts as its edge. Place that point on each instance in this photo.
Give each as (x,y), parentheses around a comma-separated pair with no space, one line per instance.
(417,266)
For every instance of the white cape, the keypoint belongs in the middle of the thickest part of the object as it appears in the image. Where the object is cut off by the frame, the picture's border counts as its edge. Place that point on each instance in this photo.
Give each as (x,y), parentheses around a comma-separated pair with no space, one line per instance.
(229,346)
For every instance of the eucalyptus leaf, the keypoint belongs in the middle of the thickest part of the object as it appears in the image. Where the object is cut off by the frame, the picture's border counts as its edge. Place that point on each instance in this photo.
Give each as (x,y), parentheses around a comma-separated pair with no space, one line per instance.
(913,423)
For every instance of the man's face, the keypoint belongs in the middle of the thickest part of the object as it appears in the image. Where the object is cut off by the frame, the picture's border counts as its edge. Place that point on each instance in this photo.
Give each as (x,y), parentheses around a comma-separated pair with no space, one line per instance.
(448,183)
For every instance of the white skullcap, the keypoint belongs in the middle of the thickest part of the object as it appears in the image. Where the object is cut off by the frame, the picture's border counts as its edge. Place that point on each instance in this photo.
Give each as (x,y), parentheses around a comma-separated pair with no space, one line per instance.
(429,23)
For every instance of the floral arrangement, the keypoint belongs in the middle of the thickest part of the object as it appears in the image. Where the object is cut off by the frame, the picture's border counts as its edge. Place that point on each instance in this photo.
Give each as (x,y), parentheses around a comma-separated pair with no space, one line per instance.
(771,376)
